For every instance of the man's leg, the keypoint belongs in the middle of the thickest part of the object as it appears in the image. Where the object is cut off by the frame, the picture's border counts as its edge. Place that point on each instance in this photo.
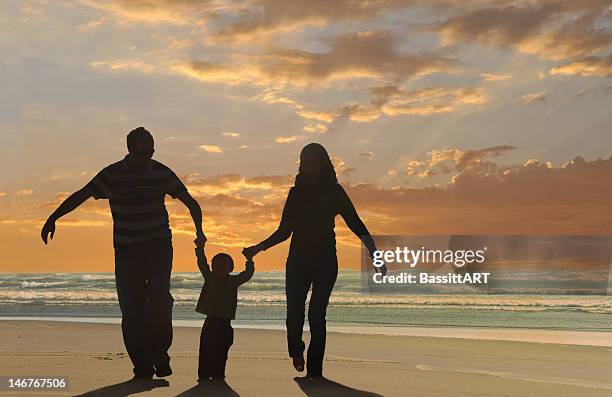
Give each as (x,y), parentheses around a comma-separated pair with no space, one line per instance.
(160,302)
(297,284)
(130,278)
(324,278)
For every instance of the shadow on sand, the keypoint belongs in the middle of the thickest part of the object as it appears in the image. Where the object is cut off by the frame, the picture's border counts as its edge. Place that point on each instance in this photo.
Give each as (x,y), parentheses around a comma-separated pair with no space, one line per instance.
(210,388)
(326,387)
(126,388)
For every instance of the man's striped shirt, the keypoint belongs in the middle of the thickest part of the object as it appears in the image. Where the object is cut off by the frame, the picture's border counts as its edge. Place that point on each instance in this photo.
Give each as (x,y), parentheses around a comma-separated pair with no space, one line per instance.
(136,199)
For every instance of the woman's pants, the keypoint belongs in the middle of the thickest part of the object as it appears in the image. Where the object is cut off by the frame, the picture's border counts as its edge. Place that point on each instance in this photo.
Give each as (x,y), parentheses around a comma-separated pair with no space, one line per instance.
(142,277)
(321,272)
(215,340)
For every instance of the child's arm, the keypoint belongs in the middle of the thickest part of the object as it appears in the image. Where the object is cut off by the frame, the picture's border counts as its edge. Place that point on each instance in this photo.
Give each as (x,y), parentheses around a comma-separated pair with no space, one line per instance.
(202,262)
(246,274)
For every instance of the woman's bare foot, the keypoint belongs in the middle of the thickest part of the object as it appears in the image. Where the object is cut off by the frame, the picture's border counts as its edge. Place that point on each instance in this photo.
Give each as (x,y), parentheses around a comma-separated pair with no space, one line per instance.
(298,363)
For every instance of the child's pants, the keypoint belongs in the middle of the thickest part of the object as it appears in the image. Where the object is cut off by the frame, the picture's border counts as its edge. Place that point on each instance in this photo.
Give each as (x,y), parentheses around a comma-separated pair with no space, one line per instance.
(215,340)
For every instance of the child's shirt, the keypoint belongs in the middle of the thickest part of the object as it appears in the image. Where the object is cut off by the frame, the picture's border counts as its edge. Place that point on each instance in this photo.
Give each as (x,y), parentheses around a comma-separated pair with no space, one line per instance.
(219,296)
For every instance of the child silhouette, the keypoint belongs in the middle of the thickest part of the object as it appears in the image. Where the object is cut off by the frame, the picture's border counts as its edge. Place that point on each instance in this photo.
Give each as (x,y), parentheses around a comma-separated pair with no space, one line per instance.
(218,301)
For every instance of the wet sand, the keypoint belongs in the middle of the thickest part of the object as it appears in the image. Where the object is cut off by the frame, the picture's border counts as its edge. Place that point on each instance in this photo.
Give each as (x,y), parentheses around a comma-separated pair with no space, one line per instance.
(94,358)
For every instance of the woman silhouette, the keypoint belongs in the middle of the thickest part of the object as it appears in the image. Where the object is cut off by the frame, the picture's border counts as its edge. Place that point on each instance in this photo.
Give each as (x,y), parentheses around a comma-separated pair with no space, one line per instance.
(308,216)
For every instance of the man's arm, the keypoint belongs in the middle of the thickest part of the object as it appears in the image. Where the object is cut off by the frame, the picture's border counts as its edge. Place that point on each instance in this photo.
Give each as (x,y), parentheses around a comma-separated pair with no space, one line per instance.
(73,201)
(196,214)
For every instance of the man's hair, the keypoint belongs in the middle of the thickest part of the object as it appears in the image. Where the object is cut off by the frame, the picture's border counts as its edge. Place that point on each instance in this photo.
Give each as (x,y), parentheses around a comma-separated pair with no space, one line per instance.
(220,259)
(136,135)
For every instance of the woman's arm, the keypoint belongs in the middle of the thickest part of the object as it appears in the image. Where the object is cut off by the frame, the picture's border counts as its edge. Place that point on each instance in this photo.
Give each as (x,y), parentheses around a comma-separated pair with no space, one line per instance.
(285,228)
(353,221)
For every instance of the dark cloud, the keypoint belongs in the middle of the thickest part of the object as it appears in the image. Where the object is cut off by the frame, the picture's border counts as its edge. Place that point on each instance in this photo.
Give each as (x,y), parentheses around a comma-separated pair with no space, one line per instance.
(487,198)
(551,29)
(457,161)
(373,54)
(260,17)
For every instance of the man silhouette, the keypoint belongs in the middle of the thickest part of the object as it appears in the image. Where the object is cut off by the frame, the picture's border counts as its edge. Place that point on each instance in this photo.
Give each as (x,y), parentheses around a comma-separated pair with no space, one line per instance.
(136,187)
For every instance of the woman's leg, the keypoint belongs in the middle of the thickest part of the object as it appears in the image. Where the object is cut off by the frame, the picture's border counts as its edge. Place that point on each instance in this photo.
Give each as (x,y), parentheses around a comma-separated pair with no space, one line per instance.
(297,284)
(325,272)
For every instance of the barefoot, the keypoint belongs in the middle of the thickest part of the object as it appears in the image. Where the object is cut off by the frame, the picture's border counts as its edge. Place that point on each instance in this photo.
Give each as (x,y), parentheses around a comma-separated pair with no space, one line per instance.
(298,363)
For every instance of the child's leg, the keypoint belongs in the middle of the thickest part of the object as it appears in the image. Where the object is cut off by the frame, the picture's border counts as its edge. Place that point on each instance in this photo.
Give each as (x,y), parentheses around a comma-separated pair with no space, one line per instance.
(207,344)
(228,341)
(225,340)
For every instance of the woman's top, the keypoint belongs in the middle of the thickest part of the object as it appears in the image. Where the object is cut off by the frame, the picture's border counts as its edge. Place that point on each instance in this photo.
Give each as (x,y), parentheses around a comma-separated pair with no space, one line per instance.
(308,216)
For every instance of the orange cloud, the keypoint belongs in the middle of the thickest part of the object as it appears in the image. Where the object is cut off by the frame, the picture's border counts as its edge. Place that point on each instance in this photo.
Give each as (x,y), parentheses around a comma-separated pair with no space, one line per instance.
(288,139)
(243,73)
(124,65)
(481,197)
(387,100)
(232,183)
(495,77)
(535,97)
(231,134)
(178,12)
(393,101)
(589,66)
(211,148)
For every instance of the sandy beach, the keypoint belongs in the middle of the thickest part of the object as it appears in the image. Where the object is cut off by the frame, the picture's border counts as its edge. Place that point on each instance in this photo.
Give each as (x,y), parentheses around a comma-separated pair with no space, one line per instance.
(93,357)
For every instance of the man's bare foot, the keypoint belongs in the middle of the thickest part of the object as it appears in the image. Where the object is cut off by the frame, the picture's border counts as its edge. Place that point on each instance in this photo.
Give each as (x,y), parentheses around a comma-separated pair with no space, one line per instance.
(298,363)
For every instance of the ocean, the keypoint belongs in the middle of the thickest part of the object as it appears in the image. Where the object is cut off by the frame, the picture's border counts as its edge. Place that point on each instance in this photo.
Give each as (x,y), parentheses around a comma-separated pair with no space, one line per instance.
(262,303)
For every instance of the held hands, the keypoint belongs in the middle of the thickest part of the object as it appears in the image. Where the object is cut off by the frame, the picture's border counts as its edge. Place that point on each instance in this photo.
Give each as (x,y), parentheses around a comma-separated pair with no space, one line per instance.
(250,252)
(200,240)
(48,227)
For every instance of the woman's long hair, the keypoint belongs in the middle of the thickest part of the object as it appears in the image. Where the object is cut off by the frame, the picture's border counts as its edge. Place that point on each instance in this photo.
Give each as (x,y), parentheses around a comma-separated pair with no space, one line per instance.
(328,173)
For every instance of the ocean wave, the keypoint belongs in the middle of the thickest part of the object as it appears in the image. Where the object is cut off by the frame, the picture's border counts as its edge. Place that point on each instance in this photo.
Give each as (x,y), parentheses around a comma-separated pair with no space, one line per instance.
(602,305)
(268,288)
(44,284)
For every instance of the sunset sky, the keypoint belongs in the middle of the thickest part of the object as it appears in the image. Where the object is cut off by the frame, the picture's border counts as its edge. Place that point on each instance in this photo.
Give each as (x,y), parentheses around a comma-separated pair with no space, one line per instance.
(442,117)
